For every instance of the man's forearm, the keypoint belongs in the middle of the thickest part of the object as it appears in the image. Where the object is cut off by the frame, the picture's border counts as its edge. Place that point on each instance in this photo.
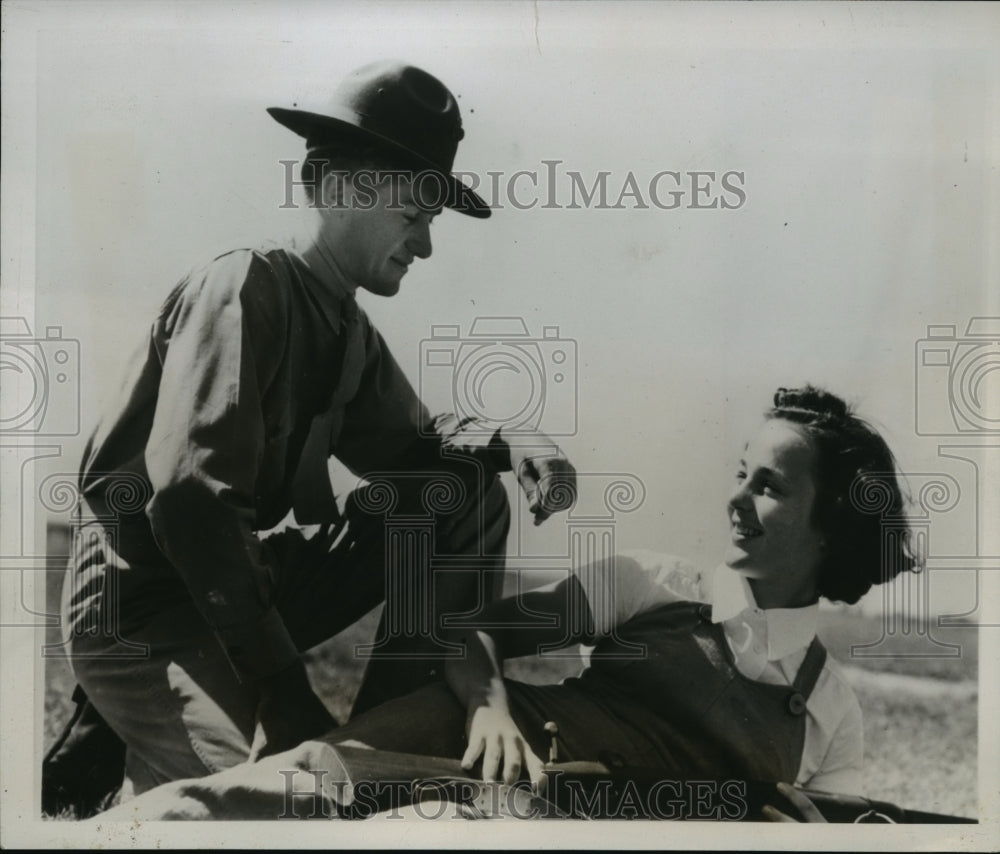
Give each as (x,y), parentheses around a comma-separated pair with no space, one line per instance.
(472,438)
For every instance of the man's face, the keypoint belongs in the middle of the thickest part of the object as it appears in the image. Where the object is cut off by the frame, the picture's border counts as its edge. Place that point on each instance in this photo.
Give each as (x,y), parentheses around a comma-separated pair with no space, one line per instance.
(377,229)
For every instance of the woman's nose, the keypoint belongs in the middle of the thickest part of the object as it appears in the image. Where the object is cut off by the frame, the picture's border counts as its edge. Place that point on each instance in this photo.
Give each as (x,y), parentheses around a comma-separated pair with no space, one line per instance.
(738,496)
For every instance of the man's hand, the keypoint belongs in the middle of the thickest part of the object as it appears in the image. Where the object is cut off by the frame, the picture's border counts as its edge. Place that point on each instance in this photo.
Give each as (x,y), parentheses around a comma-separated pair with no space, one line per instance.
(289,712)
(494,736)
(546,476)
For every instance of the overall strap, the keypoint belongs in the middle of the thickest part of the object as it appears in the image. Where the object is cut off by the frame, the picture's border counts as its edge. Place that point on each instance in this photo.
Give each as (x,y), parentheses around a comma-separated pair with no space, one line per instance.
(812,666)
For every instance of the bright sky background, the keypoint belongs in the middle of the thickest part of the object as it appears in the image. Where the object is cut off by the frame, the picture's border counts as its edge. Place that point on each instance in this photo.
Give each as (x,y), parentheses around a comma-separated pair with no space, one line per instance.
(867,135)
(136,145)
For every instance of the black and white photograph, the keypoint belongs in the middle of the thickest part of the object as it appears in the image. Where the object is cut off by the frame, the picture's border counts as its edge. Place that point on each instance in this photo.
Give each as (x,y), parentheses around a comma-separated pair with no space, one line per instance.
(583,416)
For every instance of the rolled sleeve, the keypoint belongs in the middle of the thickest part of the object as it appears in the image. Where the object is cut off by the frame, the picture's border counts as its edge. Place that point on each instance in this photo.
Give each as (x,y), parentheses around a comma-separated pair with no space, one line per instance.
(627,584)
(472,438)
(219,341)
(842,766)
(386,426)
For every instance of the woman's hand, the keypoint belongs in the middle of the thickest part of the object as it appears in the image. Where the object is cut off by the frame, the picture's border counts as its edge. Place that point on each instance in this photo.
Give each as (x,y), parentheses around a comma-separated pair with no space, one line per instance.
(494,736)
(808,810)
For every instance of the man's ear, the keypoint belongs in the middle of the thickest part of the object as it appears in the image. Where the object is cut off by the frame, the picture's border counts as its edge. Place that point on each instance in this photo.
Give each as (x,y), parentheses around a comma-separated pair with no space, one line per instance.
(335,190)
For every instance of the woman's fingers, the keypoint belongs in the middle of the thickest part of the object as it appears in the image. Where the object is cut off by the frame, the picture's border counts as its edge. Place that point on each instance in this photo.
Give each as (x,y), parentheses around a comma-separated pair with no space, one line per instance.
(511,760)
(491,759)
(472,752)
(505,753)
(807,809)
(810,812)
(536,771)
(773,814)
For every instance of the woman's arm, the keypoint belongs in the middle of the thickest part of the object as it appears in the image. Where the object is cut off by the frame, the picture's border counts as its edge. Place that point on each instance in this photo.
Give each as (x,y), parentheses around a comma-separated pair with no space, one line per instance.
(843,764)
(477,678)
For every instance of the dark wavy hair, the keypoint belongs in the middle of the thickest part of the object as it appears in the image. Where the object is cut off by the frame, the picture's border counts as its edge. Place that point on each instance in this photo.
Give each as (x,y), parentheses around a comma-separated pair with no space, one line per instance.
(858,487)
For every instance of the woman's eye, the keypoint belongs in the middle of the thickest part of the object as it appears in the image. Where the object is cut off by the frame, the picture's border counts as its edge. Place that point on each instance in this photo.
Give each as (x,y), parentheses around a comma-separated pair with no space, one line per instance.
(741,475)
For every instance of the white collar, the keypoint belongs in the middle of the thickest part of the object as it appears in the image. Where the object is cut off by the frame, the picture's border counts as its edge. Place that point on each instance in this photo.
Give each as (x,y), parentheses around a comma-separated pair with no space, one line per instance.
(788,629)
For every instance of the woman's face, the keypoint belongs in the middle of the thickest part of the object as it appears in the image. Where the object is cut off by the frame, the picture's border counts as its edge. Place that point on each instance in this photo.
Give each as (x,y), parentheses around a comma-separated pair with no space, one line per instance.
(773,540)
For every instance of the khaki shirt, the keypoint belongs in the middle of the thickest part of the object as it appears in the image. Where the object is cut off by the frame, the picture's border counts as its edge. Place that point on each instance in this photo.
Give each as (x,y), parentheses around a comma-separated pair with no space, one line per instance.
(252,375)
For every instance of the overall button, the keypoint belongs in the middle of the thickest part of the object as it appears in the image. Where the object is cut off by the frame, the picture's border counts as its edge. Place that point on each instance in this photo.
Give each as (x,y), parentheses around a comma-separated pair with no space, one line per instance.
(796,704)
(705,612)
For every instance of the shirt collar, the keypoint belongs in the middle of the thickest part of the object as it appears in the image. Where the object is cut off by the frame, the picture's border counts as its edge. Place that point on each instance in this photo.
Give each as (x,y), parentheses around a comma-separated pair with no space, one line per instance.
(333,295)
(788,629)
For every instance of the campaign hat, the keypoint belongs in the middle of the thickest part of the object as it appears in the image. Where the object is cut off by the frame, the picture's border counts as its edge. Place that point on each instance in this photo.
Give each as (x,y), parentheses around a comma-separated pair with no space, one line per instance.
(402,108)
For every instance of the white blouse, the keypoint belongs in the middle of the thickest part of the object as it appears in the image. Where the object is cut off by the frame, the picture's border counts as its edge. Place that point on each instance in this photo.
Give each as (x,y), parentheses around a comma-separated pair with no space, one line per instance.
(767,645)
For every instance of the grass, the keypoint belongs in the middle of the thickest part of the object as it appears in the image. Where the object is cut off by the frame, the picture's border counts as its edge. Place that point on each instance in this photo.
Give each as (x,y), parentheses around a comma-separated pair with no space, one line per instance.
(920,713)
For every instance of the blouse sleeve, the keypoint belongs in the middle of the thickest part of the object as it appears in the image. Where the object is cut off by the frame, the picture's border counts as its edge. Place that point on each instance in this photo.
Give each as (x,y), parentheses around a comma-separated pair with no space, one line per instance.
(629,583)
(842,766)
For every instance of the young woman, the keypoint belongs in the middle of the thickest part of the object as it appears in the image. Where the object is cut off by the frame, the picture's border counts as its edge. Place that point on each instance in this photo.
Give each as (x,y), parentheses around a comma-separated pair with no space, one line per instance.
(695,675)
(699,675)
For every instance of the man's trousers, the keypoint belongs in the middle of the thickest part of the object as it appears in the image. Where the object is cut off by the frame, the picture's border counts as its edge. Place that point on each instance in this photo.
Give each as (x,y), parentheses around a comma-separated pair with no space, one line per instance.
(431,546)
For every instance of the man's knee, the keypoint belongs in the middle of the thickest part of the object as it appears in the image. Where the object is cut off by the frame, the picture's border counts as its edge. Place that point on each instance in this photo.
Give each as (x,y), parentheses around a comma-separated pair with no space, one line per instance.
(480,524)
(496,501)
(466,500)
(181,710)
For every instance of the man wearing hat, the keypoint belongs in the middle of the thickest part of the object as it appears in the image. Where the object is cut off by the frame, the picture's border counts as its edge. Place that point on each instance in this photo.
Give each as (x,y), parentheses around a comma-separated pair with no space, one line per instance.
(185,621)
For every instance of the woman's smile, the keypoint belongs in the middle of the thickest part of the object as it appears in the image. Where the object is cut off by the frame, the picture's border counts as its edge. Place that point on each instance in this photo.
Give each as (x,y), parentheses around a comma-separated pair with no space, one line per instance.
(742,531)
(773,540)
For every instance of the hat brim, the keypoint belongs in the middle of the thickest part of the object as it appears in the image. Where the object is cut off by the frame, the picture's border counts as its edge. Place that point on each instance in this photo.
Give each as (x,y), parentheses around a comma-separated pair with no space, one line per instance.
(315,126)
